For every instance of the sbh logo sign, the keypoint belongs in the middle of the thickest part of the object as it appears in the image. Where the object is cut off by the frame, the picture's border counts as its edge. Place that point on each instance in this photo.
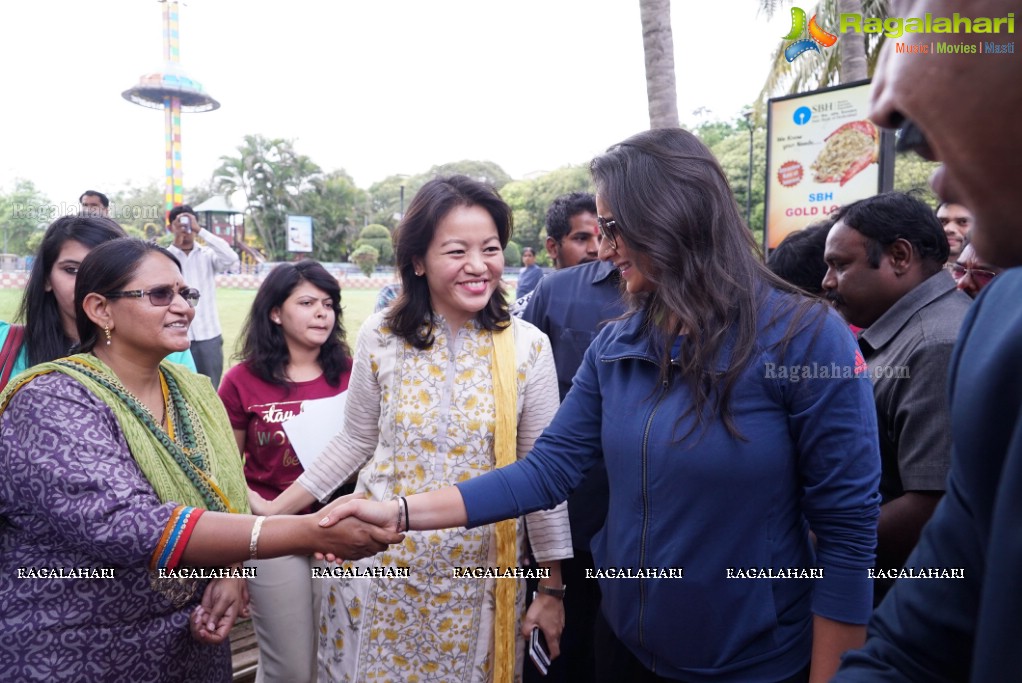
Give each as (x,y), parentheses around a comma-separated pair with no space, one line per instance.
(802,44)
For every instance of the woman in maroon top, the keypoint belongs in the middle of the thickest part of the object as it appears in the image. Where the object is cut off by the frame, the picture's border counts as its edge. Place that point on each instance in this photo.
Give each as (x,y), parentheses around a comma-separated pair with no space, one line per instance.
(294,350)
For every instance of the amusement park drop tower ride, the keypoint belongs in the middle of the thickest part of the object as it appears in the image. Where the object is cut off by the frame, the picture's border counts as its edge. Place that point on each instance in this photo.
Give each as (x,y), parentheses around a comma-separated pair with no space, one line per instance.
(175,93)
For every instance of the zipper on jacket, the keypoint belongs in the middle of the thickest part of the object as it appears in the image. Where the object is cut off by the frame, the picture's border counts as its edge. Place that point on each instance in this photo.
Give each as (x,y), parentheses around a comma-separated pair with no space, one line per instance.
(645,509)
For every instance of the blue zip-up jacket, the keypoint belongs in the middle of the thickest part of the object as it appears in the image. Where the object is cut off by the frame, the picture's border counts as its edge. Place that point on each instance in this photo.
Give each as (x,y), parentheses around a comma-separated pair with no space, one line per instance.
(715,506)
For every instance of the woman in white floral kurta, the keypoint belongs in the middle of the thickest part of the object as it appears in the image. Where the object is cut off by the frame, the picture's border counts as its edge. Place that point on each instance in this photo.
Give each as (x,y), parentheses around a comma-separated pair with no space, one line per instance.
(420,417)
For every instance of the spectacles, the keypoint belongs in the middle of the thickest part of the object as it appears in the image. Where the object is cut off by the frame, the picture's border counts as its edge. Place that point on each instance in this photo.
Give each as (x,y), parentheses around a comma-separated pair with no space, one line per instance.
(159,296)
(608,231)
(980,276)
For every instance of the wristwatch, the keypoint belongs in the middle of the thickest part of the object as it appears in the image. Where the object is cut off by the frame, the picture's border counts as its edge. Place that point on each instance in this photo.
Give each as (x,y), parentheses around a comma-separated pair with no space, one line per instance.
(550,590)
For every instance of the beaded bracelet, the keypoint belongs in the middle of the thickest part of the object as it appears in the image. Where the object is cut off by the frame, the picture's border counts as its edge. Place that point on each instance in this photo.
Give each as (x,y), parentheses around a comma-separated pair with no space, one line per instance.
(253,544)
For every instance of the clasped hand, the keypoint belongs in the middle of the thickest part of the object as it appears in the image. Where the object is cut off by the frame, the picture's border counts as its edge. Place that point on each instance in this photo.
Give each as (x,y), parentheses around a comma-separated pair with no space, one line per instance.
(350,537)
(345,538)
(371,518)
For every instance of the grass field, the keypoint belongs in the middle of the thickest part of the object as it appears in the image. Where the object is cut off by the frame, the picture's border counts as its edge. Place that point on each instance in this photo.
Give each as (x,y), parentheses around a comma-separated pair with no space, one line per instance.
(233,305)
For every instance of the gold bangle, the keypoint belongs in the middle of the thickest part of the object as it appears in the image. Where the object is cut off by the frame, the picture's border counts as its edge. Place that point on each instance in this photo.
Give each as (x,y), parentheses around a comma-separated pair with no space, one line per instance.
(253,544)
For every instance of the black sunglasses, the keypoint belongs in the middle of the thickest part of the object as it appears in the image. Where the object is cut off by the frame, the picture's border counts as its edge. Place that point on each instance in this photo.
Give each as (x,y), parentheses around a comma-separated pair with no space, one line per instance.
(159,296)
(608,231)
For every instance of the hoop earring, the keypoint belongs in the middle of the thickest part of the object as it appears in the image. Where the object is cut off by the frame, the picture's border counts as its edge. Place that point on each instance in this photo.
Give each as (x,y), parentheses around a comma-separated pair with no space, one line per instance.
(109,336)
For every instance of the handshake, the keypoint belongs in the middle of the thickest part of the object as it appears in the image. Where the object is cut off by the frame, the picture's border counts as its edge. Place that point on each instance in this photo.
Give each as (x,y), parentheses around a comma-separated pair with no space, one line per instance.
(350,528)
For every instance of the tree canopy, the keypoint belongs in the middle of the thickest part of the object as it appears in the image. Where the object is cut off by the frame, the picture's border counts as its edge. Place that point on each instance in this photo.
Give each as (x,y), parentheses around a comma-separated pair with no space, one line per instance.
(23,211)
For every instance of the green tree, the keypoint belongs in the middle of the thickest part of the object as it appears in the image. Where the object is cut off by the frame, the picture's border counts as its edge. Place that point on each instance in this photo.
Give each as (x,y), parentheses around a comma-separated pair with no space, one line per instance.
(337,208)
(140,210)
(387,205)
(530,199)
(658,48)
(24,212)
(712,132)
(366,257)
(854,65)
(512,254)
(484,171)
(379,238)
(275,180)
(852,58)
(729,142)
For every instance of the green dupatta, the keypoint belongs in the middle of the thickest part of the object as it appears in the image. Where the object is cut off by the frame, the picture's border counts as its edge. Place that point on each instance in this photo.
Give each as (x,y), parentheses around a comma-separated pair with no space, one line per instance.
(199,466)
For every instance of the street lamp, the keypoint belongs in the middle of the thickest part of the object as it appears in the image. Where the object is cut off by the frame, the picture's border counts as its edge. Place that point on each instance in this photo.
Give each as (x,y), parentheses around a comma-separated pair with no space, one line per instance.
(749,115)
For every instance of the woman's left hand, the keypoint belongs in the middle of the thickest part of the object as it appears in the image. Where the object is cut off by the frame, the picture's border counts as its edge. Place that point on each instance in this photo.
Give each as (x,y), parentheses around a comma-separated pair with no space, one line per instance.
(258,504)
(223,601)
(546,612)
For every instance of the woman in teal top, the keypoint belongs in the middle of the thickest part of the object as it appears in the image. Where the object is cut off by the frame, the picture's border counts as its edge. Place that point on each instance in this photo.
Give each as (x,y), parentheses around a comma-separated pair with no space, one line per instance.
(47,307)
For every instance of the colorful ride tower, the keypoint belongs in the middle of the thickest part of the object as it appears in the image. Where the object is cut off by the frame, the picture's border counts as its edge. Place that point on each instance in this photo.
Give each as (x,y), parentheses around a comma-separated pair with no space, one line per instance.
(173,92)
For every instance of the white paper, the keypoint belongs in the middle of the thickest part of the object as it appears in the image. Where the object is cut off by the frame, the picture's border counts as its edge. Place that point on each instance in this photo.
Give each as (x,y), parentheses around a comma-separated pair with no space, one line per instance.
(311,430)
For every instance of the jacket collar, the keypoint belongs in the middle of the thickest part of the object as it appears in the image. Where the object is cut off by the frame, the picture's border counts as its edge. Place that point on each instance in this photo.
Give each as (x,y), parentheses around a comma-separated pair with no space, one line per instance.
(603,270)
(887,326)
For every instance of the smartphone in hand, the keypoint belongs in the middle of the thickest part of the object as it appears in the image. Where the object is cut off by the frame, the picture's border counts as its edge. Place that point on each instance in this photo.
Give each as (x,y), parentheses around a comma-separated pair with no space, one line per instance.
(537,651)
(186,223)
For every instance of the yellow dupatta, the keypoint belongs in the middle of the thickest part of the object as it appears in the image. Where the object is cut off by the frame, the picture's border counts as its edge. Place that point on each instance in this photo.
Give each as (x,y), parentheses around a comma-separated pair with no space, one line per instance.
(505,447)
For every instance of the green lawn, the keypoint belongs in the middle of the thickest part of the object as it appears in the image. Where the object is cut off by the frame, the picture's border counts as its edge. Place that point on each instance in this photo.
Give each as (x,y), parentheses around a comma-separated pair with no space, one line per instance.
(233,305)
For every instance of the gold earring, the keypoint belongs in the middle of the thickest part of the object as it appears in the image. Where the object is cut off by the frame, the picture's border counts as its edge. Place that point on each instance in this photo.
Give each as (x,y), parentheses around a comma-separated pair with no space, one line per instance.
(109,336)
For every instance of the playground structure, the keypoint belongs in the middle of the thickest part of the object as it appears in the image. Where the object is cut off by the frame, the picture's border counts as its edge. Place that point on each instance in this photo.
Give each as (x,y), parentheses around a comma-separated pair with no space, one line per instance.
(175,93)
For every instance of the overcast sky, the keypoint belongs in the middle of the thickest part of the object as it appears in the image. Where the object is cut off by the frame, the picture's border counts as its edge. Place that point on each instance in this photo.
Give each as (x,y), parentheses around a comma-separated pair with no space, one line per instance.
(376,87)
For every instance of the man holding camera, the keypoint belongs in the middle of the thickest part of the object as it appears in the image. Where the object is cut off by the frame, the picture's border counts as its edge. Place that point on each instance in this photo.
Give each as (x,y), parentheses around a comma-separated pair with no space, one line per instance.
(199,265)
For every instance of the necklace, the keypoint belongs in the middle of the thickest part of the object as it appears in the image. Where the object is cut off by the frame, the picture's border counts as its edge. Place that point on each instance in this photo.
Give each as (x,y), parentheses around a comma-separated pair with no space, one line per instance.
(165,392)
(183,447)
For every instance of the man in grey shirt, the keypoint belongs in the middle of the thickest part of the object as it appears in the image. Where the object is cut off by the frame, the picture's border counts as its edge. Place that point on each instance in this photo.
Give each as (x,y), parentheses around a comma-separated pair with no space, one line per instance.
(885,258)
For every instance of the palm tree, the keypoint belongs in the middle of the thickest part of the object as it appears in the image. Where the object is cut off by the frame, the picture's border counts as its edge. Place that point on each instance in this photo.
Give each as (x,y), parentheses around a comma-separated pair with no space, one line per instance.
(853,45)
(851,59)
(274,178)
(658,46)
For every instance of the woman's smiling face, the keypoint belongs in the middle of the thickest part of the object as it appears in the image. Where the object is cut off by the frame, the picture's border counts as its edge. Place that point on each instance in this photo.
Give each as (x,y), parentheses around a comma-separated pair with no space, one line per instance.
(463,264)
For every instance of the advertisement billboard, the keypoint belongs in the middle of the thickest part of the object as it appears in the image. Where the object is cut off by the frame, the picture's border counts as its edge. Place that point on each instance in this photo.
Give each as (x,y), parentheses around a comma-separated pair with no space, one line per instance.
(299,234)
(822,152)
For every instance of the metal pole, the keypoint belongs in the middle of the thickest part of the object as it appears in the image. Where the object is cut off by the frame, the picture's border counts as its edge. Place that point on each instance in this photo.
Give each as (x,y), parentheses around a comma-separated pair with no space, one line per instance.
(748,186)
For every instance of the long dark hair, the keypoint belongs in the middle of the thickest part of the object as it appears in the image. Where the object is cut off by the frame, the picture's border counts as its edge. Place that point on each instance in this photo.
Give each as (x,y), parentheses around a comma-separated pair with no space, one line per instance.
(265,348)
(45,339)
(676,212)
(108,268)
(411,317)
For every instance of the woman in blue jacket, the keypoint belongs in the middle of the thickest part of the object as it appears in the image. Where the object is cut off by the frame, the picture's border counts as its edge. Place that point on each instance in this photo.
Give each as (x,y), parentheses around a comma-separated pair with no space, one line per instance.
(733,415)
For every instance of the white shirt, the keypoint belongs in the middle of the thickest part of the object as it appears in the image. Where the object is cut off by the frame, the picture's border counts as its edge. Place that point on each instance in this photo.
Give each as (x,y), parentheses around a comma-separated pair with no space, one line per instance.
(199,268)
